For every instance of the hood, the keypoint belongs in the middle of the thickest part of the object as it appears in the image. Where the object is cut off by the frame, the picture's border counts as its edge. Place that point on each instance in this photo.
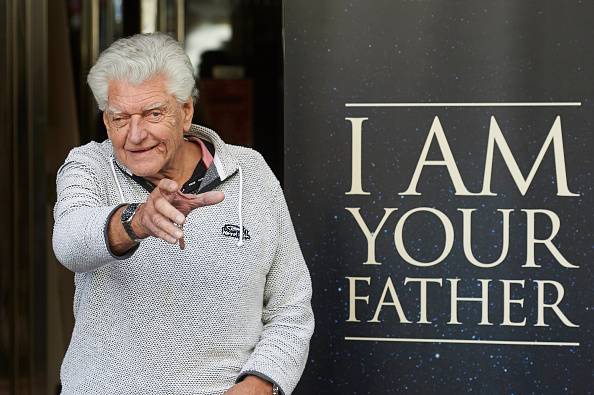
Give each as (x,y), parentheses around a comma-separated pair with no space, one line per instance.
(225,164)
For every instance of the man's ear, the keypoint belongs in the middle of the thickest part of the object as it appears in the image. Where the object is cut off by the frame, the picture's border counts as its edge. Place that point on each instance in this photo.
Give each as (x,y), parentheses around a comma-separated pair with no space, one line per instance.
(188,111)
(106,123)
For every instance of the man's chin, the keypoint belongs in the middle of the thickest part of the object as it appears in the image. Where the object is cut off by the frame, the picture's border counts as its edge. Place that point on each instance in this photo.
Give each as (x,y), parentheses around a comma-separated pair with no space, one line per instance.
(148,168)
(143,171)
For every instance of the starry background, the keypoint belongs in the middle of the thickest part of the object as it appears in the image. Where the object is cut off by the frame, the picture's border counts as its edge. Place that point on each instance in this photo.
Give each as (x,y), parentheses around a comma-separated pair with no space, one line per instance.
(398,51)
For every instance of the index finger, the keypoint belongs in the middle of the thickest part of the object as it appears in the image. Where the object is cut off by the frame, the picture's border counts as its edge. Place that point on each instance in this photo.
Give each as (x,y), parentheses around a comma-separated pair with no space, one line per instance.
(168,186)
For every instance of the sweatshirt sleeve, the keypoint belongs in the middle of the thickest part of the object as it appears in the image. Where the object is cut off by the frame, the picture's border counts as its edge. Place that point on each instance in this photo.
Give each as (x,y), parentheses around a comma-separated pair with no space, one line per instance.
(81,214)
(281,354)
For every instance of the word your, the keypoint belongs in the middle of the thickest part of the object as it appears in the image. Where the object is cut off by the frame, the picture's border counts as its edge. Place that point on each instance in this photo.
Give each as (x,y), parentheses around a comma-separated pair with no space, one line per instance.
(531,240)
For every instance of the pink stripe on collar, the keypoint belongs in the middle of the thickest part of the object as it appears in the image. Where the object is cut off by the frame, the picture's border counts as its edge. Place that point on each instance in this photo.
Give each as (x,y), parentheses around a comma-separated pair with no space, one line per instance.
(206,155)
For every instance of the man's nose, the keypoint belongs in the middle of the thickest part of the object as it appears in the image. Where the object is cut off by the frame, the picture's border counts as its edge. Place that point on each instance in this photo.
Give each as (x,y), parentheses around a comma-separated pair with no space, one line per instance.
(137,132)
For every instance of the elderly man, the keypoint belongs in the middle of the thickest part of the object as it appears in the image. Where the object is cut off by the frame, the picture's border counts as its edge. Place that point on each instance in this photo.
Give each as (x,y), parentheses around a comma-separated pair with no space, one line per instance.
(189,278)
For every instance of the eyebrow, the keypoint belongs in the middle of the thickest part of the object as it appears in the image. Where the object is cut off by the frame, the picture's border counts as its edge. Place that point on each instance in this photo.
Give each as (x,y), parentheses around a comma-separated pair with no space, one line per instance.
(156,105)
(114,110)
(151,107)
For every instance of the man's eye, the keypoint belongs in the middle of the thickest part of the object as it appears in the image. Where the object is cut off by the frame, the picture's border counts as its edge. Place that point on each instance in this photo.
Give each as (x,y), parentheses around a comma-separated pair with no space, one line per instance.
(154,116)
(120,121)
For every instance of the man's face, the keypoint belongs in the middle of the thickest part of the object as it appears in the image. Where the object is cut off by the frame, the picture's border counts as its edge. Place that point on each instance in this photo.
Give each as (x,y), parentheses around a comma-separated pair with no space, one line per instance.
(146,125)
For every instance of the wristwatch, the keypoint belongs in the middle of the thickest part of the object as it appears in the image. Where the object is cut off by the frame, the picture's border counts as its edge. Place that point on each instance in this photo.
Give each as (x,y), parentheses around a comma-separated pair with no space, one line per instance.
(275,390)
(127,216)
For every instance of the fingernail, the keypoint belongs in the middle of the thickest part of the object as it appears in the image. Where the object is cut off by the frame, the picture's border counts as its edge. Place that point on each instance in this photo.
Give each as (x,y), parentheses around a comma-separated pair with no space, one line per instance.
(177,234)
(179,219)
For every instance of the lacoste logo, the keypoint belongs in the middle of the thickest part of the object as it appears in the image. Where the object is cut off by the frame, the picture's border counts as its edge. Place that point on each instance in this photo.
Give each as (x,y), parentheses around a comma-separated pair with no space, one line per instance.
(233,231)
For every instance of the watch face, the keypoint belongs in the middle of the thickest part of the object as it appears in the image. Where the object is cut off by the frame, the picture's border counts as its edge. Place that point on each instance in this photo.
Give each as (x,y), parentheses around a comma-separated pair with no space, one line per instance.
(129,211)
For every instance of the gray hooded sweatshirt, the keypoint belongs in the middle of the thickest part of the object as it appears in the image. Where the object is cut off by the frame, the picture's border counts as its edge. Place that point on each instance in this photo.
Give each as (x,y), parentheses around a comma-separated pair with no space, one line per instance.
(161,320)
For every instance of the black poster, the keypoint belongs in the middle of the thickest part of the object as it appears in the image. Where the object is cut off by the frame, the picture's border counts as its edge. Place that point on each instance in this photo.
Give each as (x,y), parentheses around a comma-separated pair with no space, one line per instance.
(438,171)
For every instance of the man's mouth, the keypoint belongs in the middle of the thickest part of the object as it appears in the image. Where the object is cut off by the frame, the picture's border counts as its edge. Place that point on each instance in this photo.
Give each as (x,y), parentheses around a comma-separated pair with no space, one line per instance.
(140,150)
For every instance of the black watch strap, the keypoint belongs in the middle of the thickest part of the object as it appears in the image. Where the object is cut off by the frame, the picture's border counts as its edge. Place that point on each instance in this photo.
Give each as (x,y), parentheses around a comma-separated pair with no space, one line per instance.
(127,216)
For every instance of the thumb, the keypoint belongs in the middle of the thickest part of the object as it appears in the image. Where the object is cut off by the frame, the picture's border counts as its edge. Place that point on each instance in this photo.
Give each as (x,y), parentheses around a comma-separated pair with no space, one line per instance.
(188,202)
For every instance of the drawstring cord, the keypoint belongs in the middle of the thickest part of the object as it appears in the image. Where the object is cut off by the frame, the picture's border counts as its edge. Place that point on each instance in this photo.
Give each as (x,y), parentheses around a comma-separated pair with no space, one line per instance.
(240,242)
(115,176)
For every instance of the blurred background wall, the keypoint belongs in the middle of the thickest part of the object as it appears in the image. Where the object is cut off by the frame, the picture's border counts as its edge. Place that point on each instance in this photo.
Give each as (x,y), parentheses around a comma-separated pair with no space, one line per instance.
(46,108)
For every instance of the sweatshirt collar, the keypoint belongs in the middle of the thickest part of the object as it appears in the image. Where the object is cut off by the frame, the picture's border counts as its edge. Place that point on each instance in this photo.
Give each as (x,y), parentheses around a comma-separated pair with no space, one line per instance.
(225,163)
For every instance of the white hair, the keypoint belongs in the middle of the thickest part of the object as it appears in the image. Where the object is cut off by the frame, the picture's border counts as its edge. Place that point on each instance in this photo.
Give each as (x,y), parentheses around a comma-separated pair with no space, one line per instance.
(140,58)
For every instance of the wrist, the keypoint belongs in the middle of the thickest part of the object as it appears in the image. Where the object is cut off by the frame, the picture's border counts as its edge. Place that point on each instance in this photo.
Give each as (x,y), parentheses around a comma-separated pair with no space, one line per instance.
(136,223)
(265,386)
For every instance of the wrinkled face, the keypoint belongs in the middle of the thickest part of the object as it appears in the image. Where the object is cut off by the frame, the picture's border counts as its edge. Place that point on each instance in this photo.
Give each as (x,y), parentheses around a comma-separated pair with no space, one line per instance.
(146,125)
